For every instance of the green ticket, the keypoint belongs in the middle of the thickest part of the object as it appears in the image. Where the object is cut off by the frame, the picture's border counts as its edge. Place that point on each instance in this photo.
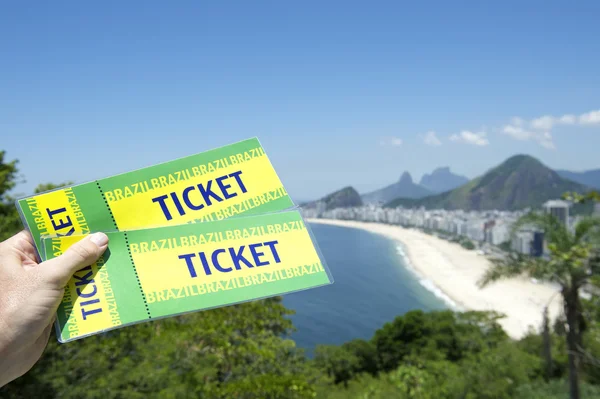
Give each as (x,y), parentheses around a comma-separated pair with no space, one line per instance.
(159,272)
(234,180)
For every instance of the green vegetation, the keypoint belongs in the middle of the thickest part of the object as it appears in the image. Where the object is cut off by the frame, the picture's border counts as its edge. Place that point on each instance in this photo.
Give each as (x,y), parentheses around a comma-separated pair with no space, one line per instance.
(554,390)
(244,351)
(505,246)
(519,182)
(467,244)
(9,218)
(10,222)
(574,262)
(229,352)
(239,352)
(589,197)
(347,197)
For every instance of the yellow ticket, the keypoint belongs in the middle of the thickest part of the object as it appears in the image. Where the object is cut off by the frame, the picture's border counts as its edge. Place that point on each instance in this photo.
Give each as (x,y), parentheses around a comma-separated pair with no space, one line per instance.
(234,180)
(165,271)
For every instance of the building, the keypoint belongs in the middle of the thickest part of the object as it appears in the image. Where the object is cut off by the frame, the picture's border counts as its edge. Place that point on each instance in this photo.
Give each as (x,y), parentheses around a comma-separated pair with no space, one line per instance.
(522,241)
(597,208)
(488,230)
(499,234)
(537,245)
(559,209)
(528,241)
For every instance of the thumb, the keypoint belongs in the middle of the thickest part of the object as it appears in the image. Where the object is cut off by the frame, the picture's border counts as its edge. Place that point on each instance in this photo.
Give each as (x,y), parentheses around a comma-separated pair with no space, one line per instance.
(83,253)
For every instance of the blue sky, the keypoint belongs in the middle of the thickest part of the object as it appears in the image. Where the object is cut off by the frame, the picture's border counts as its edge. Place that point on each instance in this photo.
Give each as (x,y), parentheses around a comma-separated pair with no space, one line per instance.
(339,93)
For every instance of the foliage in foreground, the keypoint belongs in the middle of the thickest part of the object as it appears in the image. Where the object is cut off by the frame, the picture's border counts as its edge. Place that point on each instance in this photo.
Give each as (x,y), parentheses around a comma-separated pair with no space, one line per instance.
(235,351)
(239,351)
(9,218)
(573,263)
(556,389)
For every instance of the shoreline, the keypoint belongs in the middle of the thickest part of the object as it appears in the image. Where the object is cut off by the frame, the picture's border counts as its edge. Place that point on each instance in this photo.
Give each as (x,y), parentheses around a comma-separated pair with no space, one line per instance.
(455,271)
(426,282)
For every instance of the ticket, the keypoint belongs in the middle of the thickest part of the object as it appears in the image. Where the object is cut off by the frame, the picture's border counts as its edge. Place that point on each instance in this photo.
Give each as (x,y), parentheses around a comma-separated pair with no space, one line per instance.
(234,180)
(158,272)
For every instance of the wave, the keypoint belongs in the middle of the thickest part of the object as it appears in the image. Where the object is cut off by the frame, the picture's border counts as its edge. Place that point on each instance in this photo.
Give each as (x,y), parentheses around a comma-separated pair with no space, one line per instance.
(425,282)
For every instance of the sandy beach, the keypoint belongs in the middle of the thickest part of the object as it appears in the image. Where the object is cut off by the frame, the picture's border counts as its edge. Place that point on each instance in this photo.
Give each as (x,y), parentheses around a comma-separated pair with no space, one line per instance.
(456,271)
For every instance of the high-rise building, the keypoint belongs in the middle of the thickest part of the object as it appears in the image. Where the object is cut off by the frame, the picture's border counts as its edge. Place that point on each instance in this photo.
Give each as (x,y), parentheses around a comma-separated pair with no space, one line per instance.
(559,209)
(537,244)
(522,241)
(597,208)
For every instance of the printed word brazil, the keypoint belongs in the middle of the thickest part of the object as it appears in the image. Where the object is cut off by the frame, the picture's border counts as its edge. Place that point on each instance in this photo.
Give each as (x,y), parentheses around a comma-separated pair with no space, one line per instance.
(196,197)
(225,260)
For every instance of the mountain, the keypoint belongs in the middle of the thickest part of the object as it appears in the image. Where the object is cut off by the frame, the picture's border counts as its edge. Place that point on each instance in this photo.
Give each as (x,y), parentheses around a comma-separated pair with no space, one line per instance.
(589,177)
(347,197)
(442,179)
(405,188)
(519,182)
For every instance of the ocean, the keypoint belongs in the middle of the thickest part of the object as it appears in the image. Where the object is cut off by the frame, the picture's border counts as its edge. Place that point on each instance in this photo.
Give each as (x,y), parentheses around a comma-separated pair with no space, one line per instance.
(373,284)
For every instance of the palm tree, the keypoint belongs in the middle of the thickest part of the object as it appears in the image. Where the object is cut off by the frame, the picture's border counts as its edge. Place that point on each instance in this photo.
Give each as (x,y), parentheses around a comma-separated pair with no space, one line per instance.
(572,263)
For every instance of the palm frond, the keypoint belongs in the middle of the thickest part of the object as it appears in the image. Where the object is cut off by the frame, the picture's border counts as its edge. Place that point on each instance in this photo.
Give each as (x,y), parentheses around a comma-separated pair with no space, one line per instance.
(582,198)
(554,231)
(588,229)
(515,265)
(530,219)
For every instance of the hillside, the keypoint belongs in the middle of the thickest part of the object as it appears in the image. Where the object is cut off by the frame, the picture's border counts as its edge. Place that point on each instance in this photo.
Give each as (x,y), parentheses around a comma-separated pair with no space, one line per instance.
(405,188)
(345,198)
(589,177)
(441,180)
(519,182)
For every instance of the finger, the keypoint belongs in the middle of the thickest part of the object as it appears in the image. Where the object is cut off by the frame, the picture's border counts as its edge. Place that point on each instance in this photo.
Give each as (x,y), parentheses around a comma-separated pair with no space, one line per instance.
(23,242)
(27,245)
(18,239)
(17,249)
(59,270)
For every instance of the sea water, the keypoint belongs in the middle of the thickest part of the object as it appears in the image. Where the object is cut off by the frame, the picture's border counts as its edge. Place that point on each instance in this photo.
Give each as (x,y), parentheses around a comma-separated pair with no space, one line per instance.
(374,283)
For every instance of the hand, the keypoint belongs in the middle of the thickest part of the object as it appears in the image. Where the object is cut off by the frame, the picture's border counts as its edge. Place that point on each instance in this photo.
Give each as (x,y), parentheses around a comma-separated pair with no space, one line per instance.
(30,293)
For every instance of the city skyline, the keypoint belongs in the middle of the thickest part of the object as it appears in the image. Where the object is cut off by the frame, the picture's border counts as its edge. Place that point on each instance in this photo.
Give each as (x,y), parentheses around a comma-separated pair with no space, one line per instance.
(494,227)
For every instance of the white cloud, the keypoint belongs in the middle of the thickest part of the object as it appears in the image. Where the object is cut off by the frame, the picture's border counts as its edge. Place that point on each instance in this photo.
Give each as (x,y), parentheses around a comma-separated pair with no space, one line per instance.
(517,121)
(396,142)
(430,138)
(473,138)
(590,118)
(391,141)
(568,119)
(519,133)
(545,122)
(540,128)
(545,140)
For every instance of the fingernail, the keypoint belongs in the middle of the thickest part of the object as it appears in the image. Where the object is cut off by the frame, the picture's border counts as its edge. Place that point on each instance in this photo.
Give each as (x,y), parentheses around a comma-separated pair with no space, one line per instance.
(100,239)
